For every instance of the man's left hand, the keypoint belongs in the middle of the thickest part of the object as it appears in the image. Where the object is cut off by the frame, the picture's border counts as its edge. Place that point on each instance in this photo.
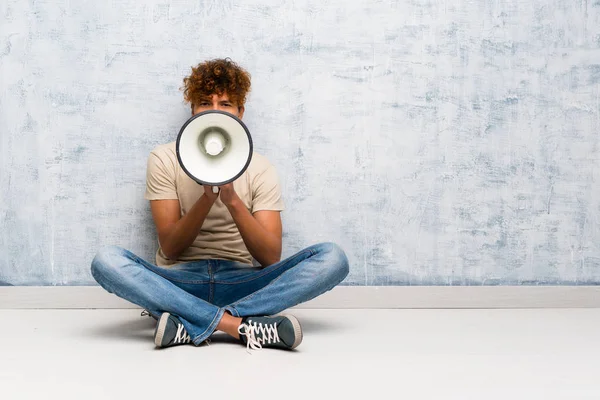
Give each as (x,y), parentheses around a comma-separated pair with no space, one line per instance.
(228,194)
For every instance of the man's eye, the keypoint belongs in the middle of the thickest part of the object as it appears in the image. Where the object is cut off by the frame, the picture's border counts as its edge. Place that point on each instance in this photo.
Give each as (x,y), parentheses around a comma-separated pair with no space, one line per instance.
(226,105)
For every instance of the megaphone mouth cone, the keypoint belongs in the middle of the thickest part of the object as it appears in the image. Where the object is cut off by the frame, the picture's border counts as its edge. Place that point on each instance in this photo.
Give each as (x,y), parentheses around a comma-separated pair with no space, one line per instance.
(214,148)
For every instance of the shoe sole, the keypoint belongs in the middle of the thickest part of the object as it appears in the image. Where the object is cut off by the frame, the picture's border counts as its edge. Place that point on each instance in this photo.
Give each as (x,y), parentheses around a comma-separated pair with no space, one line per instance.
(297,330)
(160,329)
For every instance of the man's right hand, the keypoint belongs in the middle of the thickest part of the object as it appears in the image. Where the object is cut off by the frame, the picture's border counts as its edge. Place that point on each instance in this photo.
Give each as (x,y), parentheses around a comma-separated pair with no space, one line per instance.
(208,192)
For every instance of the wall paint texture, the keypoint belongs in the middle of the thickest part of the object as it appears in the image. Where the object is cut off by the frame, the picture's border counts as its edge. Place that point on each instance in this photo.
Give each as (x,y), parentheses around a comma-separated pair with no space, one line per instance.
(438,142)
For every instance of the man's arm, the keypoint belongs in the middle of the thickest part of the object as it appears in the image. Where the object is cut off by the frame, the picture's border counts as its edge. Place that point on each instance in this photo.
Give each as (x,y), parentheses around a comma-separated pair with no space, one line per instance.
(176,233)
(261,232)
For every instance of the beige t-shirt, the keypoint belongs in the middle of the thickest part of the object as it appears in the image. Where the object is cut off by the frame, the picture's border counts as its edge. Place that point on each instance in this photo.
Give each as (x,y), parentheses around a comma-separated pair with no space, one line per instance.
(219,238)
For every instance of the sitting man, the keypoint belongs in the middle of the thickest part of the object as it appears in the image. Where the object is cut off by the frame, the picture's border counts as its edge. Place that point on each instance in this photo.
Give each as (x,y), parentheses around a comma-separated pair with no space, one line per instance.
(204,278)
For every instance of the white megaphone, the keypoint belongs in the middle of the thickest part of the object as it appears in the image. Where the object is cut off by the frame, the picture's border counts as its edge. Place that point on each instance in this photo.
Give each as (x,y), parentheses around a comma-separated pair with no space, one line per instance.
(214,148)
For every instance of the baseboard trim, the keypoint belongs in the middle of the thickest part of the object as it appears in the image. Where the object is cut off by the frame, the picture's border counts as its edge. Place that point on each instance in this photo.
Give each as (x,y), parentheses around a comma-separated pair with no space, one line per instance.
(92,297)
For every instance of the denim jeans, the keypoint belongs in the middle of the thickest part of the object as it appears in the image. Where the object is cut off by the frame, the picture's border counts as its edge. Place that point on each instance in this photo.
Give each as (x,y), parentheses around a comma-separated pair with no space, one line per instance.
(199,292)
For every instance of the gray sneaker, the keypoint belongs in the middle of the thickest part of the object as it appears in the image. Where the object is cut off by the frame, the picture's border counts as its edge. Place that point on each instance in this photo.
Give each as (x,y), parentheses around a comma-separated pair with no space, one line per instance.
(281,331)
(170,332)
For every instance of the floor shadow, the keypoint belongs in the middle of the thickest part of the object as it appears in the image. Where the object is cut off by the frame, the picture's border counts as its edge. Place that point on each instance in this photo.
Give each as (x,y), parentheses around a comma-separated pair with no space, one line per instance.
(136,329)
(318,325)
(222,337)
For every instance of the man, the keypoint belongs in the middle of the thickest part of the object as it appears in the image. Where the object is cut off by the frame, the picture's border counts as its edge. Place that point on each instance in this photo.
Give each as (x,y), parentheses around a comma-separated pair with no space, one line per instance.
(204,279)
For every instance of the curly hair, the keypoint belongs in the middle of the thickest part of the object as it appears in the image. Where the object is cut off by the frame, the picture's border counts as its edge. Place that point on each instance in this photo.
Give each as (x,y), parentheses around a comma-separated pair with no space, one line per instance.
(217,76)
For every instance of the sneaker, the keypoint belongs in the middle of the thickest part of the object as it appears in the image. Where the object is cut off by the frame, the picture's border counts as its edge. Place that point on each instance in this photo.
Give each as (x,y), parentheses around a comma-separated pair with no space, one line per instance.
(170,332)
(282,331)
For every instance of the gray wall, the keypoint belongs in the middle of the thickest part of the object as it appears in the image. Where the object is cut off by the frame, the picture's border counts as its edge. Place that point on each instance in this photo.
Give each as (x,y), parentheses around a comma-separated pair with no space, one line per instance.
(438,142)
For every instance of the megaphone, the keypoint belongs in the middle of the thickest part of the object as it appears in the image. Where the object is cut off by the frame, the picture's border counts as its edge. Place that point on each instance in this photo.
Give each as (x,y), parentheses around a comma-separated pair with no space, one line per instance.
(214,148)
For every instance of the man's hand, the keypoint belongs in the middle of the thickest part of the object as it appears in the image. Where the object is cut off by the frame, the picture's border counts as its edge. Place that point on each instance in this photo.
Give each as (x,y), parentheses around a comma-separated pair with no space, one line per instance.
(228,194)
(208,192)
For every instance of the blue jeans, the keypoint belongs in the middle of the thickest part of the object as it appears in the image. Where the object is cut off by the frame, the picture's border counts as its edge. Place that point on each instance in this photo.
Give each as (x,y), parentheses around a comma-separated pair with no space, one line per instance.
(199,292)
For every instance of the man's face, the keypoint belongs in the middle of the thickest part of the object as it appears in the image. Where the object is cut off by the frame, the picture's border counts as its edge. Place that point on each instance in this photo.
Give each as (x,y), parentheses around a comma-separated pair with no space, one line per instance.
(220,103)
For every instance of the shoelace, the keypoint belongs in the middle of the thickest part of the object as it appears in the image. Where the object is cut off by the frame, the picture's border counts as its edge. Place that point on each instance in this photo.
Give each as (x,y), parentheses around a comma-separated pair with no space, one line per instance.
(257,334)
(182,335)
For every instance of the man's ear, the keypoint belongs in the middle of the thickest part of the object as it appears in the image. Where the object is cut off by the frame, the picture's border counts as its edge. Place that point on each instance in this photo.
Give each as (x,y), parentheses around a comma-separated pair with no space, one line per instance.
(241,111)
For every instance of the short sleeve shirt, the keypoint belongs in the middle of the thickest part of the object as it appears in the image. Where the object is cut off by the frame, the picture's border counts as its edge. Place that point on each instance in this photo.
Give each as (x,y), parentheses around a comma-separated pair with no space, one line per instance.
(258,188)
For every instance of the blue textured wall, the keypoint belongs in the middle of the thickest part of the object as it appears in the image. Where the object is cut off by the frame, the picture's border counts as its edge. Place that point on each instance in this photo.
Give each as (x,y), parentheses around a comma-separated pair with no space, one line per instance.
(438,142)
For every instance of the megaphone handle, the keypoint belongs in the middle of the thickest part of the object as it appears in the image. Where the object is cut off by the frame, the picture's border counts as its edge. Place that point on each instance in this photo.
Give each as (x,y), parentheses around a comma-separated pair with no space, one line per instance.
(215,189)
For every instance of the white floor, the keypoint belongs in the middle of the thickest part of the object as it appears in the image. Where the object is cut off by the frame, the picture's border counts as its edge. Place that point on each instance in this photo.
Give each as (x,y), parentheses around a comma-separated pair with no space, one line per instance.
(346,354)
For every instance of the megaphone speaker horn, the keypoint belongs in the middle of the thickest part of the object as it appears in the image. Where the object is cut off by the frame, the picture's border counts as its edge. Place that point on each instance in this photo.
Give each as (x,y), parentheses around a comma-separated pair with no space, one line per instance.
(214,148)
